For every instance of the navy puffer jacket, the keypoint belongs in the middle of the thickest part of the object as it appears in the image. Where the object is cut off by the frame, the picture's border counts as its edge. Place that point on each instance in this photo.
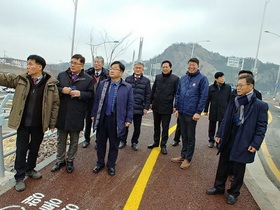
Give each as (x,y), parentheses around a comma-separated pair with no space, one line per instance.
(142,93)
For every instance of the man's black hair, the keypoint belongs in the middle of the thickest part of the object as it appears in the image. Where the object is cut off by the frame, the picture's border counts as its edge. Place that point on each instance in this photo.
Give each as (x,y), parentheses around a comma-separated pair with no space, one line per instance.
(195,60)
(38,59)
(167,61)
(122,67)
(80,57)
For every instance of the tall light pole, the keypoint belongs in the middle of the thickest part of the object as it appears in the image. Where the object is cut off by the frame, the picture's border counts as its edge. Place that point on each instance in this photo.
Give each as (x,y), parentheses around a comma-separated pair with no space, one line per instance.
(278,74)
(112,52)
(74,26)
(194,43)
(260,36)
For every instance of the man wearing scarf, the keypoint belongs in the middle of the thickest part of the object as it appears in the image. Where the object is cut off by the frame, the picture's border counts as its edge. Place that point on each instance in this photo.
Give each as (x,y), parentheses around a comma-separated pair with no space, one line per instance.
(240,136)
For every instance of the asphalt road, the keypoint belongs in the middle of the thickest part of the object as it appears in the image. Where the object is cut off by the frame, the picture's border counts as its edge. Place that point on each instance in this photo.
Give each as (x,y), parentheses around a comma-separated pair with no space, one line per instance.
(269,152)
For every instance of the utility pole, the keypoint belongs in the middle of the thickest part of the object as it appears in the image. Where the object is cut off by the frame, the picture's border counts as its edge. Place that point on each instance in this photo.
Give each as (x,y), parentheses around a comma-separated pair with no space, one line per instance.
(133,57)
(74,26)
(140,49)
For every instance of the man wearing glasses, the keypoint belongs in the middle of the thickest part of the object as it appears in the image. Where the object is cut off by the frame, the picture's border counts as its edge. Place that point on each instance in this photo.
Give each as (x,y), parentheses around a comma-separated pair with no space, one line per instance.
(112,112)
(75,88)
(240,135)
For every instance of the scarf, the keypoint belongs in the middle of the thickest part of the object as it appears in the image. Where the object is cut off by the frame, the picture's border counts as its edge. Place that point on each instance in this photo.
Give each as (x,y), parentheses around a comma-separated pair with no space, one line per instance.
(240,102)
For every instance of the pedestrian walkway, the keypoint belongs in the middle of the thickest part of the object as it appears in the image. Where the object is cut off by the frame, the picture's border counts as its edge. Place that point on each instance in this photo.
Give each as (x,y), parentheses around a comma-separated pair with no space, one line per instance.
(145,179)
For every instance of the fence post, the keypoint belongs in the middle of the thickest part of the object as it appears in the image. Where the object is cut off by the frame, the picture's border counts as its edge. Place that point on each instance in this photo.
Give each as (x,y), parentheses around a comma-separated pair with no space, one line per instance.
(2,168)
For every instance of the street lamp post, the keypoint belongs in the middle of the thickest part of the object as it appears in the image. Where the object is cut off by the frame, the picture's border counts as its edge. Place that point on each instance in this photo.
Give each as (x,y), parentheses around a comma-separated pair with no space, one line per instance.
(194,43)
(260,36)
(278,74)
(74,26)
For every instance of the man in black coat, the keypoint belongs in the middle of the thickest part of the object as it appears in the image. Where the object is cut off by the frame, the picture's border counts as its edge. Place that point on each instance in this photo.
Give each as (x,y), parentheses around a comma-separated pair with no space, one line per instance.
(162,104)
(75,88)
(218,97)
(98,73)
(142,93)
(240,135)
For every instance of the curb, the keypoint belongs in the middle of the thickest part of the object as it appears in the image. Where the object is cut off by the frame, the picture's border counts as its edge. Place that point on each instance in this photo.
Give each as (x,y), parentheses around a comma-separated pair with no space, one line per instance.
(262,189)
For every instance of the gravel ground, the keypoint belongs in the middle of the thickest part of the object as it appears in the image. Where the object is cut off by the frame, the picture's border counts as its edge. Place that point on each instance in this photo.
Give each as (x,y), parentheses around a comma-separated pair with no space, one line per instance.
(47,148)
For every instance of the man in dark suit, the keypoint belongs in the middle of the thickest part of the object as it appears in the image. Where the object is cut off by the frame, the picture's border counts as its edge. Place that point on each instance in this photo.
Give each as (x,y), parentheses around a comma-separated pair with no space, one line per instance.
(75,88)
(240,136)
(98,74)
(112,112)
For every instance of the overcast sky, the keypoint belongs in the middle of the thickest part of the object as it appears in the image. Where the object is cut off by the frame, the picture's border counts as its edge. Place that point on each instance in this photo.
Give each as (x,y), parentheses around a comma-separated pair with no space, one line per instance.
(45,27)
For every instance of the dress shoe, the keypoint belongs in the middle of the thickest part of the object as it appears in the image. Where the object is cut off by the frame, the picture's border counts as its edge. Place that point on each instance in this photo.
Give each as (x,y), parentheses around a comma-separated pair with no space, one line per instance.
(214,191)
(185,164)
(97,168)
(151,146)
(34,174)
(231,199)
(85,144)
(211,144)
(177,159)
(57,166)
(134,146)
(175,143)
(164,151)
(69,166)
(122,145)
(111,171)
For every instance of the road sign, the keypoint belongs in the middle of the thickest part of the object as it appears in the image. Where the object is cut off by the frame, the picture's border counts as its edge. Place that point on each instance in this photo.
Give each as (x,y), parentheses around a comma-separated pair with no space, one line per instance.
(233,62)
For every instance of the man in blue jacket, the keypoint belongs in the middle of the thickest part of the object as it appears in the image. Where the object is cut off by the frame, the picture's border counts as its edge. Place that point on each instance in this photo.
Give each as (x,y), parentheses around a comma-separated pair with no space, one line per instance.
(191,95)
(112,112)
(240,136)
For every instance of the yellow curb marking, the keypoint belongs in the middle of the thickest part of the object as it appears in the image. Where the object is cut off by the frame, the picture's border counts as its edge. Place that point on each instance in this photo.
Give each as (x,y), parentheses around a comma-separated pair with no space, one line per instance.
(137,192)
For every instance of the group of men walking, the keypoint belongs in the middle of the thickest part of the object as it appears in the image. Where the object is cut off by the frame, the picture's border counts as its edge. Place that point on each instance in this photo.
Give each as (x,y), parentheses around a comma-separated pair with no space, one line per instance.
(101,96)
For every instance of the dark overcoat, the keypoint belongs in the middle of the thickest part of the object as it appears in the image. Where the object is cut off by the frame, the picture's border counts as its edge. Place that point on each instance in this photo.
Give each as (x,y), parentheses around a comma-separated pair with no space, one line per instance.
(71,113)
(218,98)
(250,133)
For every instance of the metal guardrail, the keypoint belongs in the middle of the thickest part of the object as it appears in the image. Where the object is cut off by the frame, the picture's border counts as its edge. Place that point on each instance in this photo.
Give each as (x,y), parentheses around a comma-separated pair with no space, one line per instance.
(4,116)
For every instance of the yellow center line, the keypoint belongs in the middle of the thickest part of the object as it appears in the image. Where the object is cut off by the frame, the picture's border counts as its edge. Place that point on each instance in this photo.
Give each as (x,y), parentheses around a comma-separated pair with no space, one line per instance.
(267,155)
(137,192)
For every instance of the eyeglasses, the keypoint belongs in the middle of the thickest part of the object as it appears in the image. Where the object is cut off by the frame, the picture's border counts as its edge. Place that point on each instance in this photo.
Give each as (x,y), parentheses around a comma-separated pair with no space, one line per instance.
(240,85)
(74,63)
(112,69)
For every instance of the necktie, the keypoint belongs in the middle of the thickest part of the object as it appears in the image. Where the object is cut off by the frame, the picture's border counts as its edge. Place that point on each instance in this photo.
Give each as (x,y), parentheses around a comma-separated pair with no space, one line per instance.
(137,79)
(110,99)
(74,77)
(35,80)
(96,74)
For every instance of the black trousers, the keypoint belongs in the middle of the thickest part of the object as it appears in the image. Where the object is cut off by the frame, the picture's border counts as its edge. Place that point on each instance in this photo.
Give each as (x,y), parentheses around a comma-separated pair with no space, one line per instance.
(178,131)
(164,120)
(28,139)
(212,130)
(107,130)
(137,120)
(238,170)
(188,126)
